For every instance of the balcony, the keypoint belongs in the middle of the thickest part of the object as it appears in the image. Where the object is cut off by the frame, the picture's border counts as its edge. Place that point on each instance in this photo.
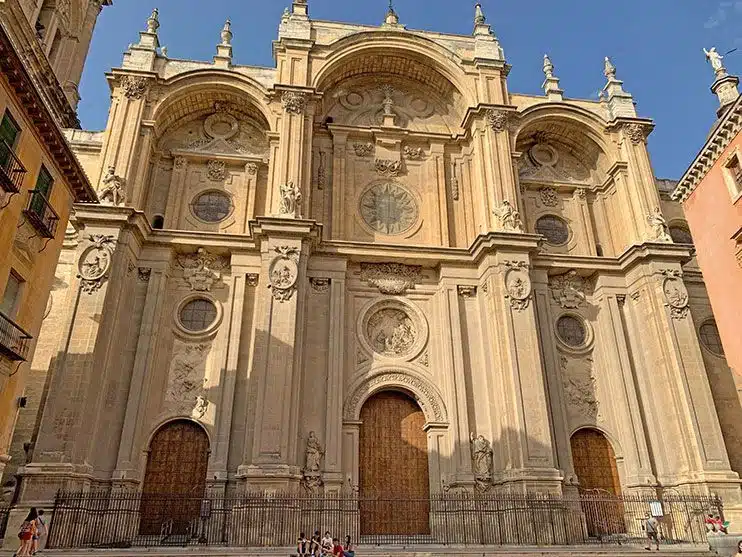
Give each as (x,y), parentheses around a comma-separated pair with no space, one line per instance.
(14,341)
(11,170)
(41,215)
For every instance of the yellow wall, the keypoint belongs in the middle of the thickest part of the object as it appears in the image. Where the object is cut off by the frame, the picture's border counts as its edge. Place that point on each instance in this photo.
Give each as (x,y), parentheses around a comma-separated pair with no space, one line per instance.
(37,270)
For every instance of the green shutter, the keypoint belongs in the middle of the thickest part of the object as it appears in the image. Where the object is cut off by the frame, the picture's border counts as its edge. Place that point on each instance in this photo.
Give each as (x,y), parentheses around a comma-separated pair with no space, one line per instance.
(44,187)
(8,134)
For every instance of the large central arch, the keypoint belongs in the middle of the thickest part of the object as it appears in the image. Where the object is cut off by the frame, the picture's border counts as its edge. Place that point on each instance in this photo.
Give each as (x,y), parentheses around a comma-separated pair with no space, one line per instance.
(398,377)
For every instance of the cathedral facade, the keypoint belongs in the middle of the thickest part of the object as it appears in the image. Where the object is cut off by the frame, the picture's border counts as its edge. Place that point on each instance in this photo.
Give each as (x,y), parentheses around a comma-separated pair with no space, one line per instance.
(374,267)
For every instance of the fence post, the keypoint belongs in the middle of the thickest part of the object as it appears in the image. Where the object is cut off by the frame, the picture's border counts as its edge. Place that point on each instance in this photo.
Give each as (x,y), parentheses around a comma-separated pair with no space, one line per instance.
(50,535)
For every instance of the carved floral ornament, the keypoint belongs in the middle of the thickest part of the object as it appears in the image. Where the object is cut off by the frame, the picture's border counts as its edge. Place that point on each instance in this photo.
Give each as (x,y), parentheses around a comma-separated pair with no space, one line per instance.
(675,292)
(134,86)
(283,273)
(95,262)
(216,170)
(391,278)
(568,290)
(387,168)
(202,269)
(363,149)
(518,285)
(637,133)
(499,120)
(293,102)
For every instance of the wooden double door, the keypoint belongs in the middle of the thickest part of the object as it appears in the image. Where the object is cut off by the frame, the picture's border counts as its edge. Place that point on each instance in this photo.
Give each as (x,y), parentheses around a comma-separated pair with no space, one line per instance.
(393,467)
(175,480)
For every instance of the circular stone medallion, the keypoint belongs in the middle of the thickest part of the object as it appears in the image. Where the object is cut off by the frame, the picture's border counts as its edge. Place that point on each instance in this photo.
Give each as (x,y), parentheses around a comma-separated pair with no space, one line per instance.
(391,332)
(283,273)
(94,263)
(388,208)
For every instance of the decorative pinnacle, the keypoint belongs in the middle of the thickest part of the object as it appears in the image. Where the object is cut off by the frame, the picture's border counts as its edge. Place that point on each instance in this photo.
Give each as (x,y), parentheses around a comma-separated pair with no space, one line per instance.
(610,70)
(153,23)
(227,33)
(548,67)
(391,16)
(479,18)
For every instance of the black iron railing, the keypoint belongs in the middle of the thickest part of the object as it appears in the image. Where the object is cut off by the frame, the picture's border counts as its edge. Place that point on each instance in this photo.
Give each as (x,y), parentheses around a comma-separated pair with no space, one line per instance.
(41,215)
(11,169)
(104,520)
(4,514)
(14,341)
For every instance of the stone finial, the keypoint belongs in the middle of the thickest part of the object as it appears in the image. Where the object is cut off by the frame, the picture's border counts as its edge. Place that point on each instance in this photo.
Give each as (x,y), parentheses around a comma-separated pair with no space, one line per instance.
(227,33)
(300,8)
(618,102)
(153,23)
(548,67)
(551,83)
(479,18)
(391,16)
(223,58)
(609,69)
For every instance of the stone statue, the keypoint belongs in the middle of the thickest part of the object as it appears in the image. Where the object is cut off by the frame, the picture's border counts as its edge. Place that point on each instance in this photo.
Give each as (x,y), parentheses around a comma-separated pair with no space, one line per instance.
(482,456)
(388,102)
(660,230)
(609,69)
(290,199)
(509,217)
(202,405)
(314,453)
(715,58)
(112,191)
(548,67)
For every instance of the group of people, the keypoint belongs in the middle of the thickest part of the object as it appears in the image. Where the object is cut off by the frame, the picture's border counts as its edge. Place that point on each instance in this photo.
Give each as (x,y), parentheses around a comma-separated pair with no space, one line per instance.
(715,524)
(325,546)
(31,532)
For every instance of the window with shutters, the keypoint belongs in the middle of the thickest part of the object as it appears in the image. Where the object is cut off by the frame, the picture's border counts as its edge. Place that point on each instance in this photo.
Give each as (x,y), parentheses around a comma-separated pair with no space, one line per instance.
(40,213)
(733,175)
(11,169)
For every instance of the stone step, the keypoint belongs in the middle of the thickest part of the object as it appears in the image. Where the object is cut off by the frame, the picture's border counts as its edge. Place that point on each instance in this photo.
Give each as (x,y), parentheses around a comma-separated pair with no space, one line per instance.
(388,551)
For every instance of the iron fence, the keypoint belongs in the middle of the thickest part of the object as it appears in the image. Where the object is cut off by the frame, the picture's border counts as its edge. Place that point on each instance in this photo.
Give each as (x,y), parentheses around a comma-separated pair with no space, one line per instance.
(115,520)
(4,514)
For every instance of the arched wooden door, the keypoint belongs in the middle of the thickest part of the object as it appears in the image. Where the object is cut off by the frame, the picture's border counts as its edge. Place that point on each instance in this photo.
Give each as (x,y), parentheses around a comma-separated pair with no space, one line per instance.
(175,479)
(595,465)
(394,477)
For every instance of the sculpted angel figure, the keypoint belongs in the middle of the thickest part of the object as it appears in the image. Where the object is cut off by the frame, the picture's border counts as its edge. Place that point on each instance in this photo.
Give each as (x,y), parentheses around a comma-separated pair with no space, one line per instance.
(482,456)
(314,453)
(509,217)
(660,230)
(715,58)
(112,192)
(290,199)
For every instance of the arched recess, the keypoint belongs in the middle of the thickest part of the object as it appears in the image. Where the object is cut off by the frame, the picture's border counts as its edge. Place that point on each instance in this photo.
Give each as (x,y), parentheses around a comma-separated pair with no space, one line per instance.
(399,377)
(177,463)
(410,77)
(564,173)
(209,136)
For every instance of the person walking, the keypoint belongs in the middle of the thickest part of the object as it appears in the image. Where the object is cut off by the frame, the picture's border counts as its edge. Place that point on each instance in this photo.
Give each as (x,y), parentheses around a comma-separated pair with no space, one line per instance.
(36,541)
(651,526)
(27,532)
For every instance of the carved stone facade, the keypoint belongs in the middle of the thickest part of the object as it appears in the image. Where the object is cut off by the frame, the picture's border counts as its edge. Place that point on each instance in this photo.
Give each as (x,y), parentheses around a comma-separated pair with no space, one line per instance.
(358,236)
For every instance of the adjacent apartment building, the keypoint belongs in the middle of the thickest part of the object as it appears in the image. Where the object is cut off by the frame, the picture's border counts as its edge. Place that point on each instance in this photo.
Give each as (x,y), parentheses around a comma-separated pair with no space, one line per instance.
(40,179)
(711,194)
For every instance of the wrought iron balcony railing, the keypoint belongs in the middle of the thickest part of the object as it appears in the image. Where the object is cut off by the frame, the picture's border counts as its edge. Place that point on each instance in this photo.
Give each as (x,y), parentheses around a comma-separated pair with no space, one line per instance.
(41,215)
(14,341)
(11,169)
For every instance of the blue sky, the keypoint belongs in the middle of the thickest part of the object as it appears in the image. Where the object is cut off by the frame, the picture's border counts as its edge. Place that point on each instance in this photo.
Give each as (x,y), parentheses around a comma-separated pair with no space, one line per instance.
(655,44)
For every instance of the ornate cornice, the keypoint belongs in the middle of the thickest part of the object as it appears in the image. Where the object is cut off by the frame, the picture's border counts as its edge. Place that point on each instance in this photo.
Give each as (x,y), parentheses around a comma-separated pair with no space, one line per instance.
(725,131)
(47,127)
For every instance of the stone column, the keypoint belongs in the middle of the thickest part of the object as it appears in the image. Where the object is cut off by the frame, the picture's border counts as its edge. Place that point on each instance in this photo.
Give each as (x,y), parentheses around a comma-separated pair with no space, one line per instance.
(437,176)
(251,176)
(452,359)
(123,130)
(339,141)
(499,163)
(336,364)
(285,244)
(582,212)
(228,380)
(176,199)
(127,462)
(619,371)
(683,428)
(525,437)
(295,147)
